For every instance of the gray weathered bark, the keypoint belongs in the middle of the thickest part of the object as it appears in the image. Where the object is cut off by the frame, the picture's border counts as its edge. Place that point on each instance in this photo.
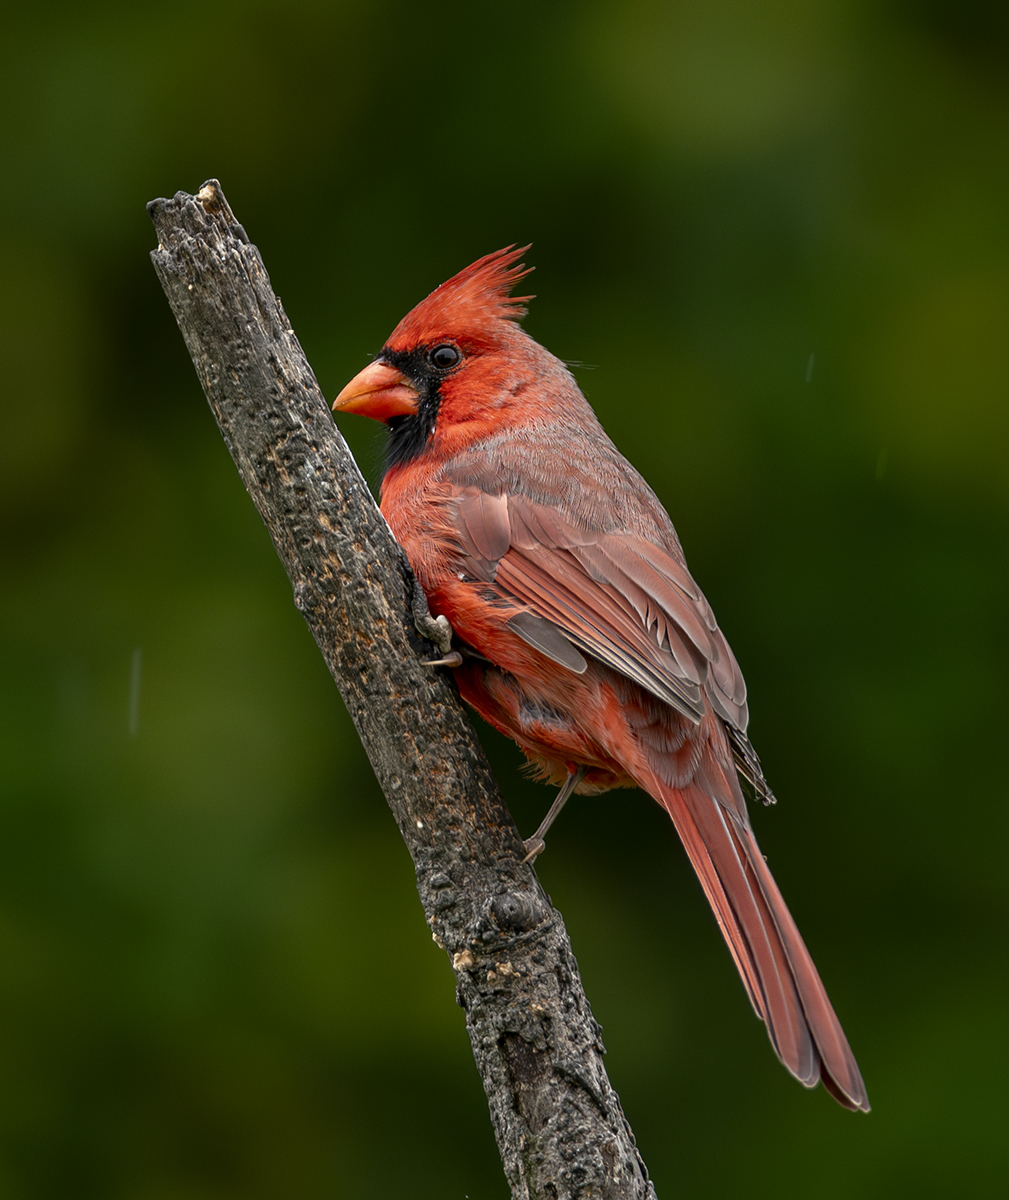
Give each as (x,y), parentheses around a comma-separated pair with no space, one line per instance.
(558,1123)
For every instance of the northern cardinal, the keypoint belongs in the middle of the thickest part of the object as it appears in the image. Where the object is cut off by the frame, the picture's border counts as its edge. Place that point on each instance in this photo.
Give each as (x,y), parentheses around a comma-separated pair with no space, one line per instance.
(583,636)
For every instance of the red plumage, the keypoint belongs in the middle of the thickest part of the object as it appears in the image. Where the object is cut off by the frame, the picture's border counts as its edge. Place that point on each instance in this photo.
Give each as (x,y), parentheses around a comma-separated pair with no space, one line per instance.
(595,650)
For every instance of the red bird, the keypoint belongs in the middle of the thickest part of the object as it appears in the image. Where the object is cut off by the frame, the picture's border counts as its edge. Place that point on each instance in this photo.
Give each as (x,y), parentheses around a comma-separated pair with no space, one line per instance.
(584,637)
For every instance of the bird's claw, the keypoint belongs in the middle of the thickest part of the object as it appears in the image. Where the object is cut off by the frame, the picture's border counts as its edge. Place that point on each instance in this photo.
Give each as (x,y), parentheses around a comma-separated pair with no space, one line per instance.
(533,847)
(437,630)
(452,659)
(434,629)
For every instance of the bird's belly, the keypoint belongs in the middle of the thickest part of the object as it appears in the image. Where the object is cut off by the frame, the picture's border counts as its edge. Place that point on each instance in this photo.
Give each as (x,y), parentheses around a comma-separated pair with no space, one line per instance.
(546,721)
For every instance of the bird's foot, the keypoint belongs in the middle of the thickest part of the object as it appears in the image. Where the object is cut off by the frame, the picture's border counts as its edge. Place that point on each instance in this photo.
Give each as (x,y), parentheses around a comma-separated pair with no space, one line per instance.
(434,629)
(533,846)
(536,845)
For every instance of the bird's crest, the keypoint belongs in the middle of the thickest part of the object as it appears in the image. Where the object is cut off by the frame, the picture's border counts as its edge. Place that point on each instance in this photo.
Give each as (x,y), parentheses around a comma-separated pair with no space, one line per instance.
(478,295)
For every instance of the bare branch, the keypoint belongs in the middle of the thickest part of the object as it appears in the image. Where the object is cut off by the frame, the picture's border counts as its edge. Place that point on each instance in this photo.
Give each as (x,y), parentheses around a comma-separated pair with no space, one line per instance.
(558,1123)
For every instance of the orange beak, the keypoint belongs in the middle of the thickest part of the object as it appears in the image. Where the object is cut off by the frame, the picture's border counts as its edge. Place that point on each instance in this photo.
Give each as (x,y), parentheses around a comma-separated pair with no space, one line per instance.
(379,392)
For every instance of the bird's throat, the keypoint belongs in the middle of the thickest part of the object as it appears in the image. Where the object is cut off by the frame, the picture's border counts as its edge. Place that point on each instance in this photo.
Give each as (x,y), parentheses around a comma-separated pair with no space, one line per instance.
(408,436)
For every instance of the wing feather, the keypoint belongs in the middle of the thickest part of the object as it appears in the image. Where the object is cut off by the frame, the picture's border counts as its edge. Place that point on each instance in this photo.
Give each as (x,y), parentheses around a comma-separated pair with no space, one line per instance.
(597,624)
(617,597)
(548,639)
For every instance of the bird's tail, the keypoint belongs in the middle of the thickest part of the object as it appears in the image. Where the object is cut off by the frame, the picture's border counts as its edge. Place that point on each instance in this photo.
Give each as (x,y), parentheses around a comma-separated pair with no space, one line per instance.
(777,970)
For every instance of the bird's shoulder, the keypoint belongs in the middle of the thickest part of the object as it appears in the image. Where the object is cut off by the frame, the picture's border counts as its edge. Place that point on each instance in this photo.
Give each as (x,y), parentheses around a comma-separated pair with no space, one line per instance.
(582,481)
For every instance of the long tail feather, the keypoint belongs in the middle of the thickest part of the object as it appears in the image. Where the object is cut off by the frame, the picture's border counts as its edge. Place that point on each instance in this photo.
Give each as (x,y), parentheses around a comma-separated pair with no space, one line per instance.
(775,965)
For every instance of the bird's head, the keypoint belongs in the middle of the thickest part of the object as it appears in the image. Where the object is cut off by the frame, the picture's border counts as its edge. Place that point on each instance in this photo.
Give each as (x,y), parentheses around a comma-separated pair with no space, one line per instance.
(456,359)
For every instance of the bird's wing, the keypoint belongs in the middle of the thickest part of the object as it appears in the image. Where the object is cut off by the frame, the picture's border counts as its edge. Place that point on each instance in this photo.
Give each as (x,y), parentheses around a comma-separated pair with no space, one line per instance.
(615,596)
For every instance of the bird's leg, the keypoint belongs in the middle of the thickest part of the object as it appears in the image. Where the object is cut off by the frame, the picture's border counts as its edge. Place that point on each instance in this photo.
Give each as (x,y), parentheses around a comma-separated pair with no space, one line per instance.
(435,629)
(536,845)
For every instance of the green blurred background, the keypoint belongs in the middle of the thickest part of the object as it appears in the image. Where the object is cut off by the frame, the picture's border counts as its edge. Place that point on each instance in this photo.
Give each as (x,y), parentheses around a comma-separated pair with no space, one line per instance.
(779,235)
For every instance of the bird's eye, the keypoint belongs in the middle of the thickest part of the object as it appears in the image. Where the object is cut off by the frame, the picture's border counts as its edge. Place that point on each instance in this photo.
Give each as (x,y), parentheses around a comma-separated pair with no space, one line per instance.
(445,356)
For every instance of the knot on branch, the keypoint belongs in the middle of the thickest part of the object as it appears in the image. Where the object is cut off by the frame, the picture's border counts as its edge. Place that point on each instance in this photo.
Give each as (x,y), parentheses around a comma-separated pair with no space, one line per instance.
(516,912)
